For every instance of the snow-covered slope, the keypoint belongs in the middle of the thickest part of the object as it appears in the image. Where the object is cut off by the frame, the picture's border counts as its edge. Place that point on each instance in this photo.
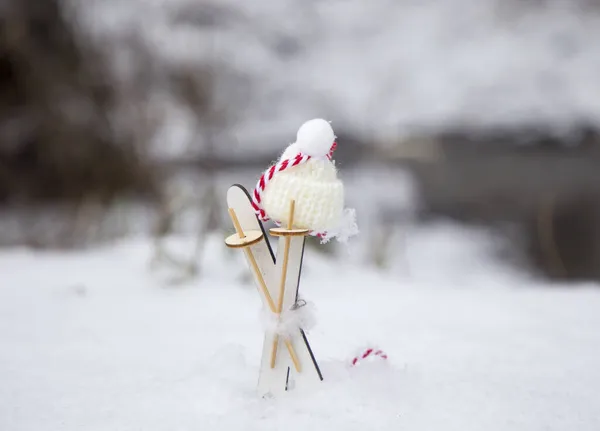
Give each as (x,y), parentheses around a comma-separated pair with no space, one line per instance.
(91,341)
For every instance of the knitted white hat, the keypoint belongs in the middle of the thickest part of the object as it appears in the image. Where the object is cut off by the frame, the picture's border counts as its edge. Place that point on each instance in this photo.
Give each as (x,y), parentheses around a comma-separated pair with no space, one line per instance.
(310,179)
(319,195)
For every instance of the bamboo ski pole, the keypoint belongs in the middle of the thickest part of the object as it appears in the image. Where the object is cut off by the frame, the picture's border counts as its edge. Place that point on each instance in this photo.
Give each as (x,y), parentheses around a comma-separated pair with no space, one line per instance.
(255,268)
(286,256)
(264,289)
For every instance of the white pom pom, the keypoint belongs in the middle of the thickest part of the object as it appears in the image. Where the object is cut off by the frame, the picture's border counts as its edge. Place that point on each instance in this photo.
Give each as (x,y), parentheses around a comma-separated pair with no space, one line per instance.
(315,138)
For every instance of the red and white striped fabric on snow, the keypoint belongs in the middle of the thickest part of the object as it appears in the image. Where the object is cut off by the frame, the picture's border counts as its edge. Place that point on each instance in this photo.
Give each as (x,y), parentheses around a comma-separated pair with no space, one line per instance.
(369,353)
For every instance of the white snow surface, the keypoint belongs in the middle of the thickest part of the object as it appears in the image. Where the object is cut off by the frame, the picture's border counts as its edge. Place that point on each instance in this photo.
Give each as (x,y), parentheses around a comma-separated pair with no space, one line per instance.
(93,341)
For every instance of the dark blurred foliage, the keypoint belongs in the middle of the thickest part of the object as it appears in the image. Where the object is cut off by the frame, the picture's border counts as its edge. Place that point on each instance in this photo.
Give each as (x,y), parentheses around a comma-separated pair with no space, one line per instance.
(56,140)
(548,187)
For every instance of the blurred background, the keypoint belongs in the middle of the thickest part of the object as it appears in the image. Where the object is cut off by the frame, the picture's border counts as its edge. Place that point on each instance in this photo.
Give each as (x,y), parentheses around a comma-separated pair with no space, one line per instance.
(132,117)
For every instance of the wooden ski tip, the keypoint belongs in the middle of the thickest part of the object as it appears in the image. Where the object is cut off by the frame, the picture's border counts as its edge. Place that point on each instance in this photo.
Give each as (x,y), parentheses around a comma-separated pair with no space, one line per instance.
(281,231)
(251,237)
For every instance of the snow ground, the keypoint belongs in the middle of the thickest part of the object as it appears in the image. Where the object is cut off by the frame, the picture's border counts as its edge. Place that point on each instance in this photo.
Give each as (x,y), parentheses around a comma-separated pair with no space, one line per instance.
(93,341)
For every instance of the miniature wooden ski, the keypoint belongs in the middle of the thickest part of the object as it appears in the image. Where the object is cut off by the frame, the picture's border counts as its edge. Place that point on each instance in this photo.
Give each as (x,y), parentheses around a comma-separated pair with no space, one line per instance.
(287,360)
(302,195)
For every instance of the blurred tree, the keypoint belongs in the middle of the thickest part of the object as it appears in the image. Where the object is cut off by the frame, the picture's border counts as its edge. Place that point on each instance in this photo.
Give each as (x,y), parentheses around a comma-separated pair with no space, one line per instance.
(56,140)
(58,144)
